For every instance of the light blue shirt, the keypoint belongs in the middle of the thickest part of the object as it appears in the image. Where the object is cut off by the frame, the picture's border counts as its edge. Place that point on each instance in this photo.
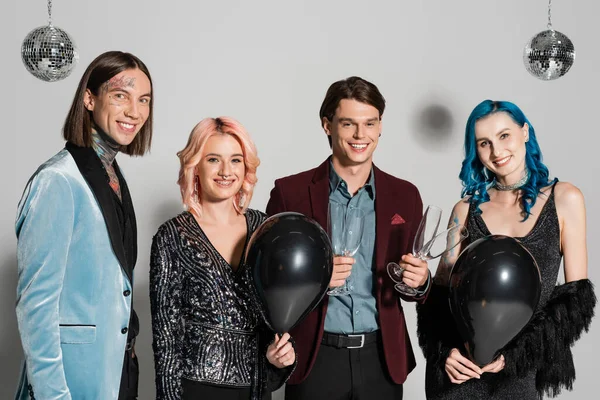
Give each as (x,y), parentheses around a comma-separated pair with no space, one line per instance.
(357,311)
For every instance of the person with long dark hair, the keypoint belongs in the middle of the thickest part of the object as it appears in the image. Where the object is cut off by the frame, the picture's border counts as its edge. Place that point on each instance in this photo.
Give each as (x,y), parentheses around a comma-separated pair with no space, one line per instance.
(77,243)
(507,190)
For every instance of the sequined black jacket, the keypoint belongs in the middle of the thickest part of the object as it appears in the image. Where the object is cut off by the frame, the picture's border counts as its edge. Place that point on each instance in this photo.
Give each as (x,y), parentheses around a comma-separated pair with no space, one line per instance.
(205,325)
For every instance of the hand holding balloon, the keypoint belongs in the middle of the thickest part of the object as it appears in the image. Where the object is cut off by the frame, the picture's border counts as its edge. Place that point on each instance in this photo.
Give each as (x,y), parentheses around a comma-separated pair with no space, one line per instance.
(342,267)
(281,353)
(460,369)
(495,287)
(495,366)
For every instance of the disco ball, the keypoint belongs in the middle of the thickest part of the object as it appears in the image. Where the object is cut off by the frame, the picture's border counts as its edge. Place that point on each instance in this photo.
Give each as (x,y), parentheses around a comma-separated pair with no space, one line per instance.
(549,55)
(49,53)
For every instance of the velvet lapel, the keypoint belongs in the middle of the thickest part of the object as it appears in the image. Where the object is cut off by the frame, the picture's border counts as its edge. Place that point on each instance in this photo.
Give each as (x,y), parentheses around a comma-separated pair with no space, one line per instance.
(93,172)
(319,194)
(128,210)
(384,210)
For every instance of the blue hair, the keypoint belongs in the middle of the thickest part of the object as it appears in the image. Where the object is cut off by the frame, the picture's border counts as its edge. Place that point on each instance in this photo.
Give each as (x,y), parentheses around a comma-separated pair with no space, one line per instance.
(476,179)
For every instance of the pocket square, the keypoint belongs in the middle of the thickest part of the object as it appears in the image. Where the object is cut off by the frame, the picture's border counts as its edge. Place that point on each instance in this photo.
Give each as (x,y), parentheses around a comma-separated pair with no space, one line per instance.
(397,220)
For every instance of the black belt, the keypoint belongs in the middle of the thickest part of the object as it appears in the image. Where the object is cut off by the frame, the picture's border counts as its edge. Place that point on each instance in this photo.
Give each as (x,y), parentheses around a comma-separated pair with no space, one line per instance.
(354,341)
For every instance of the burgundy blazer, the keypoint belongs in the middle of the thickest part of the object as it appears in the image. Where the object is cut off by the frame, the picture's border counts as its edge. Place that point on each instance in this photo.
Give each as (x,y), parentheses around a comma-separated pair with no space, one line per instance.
(398,210)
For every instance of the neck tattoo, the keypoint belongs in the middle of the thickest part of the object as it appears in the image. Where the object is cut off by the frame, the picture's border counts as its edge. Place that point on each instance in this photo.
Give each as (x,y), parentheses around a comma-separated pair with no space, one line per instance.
(517,185)
(106,149)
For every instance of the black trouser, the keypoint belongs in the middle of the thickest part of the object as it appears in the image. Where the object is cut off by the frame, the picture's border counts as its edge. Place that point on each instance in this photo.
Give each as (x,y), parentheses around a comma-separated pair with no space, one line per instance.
(193,390)
(129,377)
(347,374)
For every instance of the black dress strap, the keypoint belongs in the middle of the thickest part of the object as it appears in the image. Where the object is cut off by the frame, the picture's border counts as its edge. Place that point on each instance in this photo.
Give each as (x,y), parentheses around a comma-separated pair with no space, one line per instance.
(553,186)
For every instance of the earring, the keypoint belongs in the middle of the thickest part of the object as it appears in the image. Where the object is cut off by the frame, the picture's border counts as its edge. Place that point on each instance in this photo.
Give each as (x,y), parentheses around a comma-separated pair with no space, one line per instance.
(196,189)
(242,200)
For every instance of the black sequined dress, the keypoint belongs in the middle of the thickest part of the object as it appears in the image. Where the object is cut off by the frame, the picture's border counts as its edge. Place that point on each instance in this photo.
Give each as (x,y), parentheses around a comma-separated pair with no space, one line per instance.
(205,326)
(543,242)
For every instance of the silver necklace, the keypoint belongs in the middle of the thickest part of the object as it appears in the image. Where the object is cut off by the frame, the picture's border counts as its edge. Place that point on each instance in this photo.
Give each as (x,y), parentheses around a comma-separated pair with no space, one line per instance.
(514,186)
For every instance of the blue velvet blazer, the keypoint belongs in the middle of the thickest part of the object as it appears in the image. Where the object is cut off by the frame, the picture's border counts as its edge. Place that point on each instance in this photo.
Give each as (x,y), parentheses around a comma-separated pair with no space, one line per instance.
(74,290)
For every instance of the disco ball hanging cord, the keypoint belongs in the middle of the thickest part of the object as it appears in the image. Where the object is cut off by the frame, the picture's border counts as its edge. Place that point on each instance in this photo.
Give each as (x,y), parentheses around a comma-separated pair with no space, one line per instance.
(48,52)
(549,54)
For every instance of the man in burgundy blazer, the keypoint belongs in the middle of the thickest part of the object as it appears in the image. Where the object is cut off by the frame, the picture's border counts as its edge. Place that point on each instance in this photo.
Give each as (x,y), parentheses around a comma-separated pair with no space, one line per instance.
(336,357)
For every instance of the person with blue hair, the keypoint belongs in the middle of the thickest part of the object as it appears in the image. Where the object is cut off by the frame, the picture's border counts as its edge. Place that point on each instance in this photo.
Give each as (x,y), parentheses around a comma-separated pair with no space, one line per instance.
(507,190)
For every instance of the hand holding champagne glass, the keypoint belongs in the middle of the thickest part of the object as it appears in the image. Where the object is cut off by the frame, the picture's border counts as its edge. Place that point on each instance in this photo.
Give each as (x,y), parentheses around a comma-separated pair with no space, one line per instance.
(428,244)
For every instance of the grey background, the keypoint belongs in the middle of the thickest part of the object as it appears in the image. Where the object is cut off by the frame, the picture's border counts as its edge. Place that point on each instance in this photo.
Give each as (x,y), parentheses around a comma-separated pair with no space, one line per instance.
(268,63)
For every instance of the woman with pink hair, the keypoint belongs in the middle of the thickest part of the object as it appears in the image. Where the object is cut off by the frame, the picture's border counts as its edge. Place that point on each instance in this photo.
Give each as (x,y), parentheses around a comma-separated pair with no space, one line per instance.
(209,339)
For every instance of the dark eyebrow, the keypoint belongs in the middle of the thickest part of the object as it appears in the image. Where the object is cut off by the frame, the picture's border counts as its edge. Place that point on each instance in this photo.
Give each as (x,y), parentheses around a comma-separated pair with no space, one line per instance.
(498,133)
(126,90)
(345,119)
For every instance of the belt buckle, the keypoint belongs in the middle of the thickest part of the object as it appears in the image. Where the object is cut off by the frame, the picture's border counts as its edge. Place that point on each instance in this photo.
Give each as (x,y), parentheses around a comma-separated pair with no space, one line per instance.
(362,341)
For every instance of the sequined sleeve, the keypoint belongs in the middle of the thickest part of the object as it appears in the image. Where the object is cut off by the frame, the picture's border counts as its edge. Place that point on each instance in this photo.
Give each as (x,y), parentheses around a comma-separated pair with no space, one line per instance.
(273,378)
(167,321)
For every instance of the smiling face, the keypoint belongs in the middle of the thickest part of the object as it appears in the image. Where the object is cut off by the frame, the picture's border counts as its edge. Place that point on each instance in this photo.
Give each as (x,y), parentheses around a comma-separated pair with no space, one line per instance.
(122,105)
(501,146)
(354,132)
(221,169)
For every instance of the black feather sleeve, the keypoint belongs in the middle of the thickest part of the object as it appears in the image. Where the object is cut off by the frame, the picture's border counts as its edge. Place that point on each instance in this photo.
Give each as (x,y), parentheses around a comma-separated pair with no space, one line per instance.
(545,343)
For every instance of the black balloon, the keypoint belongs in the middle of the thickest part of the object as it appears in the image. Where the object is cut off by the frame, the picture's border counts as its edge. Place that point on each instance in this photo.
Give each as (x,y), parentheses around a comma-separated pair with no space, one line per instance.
(291,262)
(495,287)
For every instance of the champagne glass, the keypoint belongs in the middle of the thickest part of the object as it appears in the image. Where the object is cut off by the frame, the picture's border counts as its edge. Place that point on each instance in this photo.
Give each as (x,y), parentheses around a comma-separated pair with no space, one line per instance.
(345,226)
(428,245)
(336,219)
(428,228)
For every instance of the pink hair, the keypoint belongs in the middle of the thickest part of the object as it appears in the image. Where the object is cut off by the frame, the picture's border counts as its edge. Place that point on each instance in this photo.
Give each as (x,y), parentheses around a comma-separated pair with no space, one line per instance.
(191,155)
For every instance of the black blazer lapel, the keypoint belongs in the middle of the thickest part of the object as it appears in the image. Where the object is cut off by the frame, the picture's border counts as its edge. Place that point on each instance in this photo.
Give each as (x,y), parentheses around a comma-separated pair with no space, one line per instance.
(93,172)
(129,211)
